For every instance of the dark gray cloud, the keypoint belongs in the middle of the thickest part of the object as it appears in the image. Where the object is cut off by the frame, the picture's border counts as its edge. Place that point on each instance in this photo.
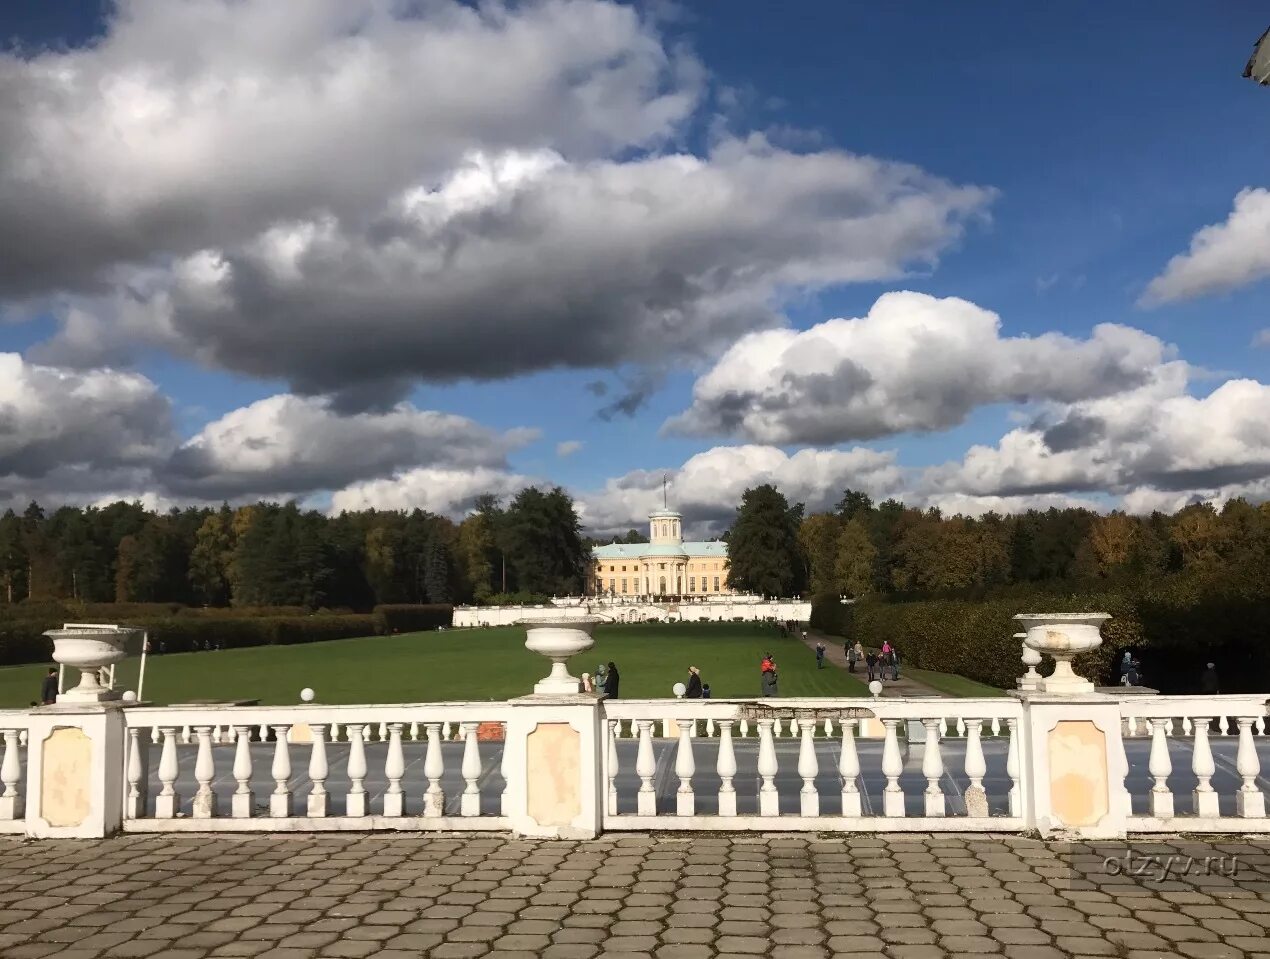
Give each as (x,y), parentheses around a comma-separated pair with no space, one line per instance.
(1075,432)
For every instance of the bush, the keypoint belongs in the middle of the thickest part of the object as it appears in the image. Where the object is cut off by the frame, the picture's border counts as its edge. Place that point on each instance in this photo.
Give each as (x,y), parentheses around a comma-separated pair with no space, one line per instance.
(406,618)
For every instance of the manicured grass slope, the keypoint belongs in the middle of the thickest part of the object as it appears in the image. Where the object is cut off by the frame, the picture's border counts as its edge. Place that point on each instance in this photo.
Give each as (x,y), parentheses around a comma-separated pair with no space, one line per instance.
(473,665)
(951,684)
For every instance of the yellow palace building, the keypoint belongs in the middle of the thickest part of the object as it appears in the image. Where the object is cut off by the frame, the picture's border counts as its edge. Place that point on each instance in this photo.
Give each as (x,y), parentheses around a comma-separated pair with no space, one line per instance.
(665,566)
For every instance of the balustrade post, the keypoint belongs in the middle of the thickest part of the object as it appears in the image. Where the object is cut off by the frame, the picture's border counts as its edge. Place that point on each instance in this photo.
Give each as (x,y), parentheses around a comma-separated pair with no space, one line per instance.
(849,770)
(1160,765)
(11,806)
(892,766)
(138,776)
(394,769)
(1013,767)
(1250,801)
(725,766)
(281,802)
(1203,767)
(933,768)
(243,802)
(204,770)
(168,803)
(355,801)
(769,803)
(976,769)
(470,802)
(318,770)
(808,768)
(685,769)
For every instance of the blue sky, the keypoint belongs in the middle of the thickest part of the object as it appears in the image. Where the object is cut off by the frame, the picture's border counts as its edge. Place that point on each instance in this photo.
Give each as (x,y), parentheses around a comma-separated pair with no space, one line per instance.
(1063,156)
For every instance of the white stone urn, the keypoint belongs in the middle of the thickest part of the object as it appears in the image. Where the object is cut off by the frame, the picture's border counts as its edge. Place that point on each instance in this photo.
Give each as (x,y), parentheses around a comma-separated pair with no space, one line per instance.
(1031,679)
(558,639)
(1063,636)
(88,649)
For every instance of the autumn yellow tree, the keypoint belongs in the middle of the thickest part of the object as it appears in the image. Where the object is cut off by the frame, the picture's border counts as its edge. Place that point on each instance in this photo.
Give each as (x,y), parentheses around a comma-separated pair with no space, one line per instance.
(856,557)
(818,536)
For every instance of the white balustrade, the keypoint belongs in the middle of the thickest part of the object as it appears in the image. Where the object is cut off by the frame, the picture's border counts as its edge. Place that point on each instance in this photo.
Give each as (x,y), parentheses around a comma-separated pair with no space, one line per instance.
(976,768)
(614,766)
(646,768)
(849,770)
(725,766)
(685,769)
(204,770)
(394,770)
(280,801)
(470,803)
(318,771)
(168,803)
(243,804)
(769,799)
(12,807)
(1160,766)
(1250,801)
(355,800)
(892,766)
(808,768)
(933,769)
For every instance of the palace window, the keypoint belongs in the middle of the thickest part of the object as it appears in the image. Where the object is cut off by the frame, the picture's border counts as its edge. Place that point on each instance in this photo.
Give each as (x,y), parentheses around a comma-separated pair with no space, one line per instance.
(612,585)
(623,582)
(662,565)
(692,584)
(716,584)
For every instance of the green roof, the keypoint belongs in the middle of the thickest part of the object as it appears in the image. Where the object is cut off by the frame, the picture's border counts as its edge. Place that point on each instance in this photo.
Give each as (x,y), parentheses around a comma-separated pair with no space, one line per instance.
(620,551)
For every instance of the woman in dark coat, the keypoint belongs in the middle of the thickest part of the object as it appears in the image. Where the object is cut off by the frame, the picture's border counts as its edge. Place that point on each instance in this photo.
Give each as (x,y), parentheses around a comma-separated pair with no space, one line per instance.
(694,683)
(610,682)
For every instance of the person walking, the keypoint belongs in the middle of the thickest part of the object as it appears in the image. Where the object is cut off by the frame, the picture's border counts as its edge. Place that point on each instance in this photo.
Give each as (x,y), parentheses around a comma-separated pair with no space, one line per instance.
(895,664)
(587,685)
(820,655)
(694,683)
(598,677)
(1208,684)
(849,650)
(871,661)
(611,679)
(768,678)
(48,688)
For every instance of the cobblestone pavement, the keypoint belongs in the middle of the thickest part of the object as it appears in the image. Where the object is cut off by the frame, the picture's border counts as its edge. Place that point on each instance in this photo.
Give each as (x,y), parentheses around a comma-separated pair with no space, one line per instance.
(396,896)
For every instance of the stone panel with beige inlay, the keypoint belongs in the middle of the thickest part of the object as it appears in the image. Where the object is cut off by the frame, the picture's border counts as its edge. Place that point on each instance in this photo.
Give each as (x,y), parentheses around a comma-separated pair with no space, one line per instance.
(553,782)
(1079,794)
(65,783)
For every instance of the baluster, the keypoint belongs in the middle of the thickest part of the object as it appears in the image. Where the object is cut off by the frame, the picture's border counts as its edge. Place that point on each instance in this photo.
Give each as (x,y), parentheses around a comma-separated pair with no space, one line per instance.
(204,771)
(768,798)
(264,733)
(1261,725)
(1250,801)
(776,728)
(892,766)
(646,768)
(383,732)
(665,729)
(709,728)
(168,803)
(138,776)
(22,739)
(615,729)
(828,727)
(933,768)
(976,769)
(394,769)
(1012,768)
(155,737)
(943,726)
(961,726)
(1186,725)
(447,732)
(470,803)
(685,768)
(335,732)
(187,735)
(849,770)
(216,735)
(355,801)
(744,728)
(434,769)
(414,732)
(318,771)
(281,805)
(11,804)
(1168,727)
(808,767)
(1221,726)
(241,805)
(725,766)
(794,726)
(1160,766)
(1202,764)
(996,725)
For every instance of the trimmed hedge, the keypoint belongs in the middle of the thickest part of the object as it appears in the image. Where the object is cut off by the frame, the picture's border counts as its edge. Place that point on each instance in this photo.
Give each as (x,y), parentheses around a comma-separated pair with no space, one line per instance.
(411,618)
(976,639)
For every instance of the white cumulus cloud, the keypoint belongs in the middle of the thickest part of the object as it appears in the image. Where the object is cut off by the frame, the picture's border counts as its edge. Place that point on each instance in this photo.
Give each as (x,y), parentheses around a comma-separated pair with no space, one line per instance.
(1223,256)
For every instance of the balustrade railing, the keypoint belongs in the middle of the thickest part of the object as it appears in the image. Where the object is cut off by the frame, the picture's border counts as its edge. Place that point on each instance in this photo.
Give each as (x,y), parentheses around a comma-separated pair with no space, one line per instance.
(921,764)
(13,745)
(1218,787)
(315,768)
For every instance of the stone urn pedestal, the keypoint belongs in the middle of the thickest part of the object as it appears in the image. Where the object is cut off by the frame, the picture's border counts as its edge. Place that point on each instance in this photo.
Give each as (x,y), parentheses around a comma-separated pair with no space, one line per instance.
(89,649)
(1063,636)
(559,639)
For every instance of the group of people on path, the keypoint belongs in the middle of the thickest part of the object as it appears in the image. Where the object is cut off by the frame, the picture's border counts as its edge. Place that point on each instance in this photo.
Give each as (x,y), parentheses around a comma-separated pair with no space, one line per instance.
(605,680)
(880,664)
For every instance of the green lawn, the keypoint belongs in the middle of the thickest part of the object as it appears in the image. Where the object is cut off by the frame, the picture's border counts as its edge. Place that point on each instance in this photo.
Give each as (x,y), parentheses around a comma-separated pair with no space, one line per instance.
(473,665)
(951,684)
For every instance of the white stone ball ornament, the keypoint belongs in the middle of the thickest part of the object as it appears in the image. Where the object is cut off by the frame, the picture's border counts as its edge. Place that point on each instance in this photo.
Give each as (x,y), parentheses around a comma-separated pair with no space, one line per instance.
(306,695)
(875,688)
(679,689)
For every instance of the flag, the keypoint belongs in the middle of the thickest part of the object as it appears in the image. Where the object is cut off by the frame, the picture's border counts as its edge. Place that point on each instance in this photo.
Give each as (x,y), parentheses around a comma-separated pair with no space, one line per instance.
(1259,63)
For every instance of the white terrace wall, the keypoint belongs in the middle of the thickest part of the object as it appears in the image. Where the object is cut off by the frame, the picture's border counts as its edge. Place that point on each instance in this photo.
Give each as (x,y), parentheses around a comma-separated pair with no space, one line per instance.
(720,610)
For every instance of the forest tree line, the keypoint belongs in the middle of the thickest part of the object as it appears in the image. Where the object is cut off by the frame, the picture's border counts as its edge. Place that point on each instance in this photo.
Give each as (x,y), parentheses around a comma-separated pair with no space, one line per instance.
(269,554)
